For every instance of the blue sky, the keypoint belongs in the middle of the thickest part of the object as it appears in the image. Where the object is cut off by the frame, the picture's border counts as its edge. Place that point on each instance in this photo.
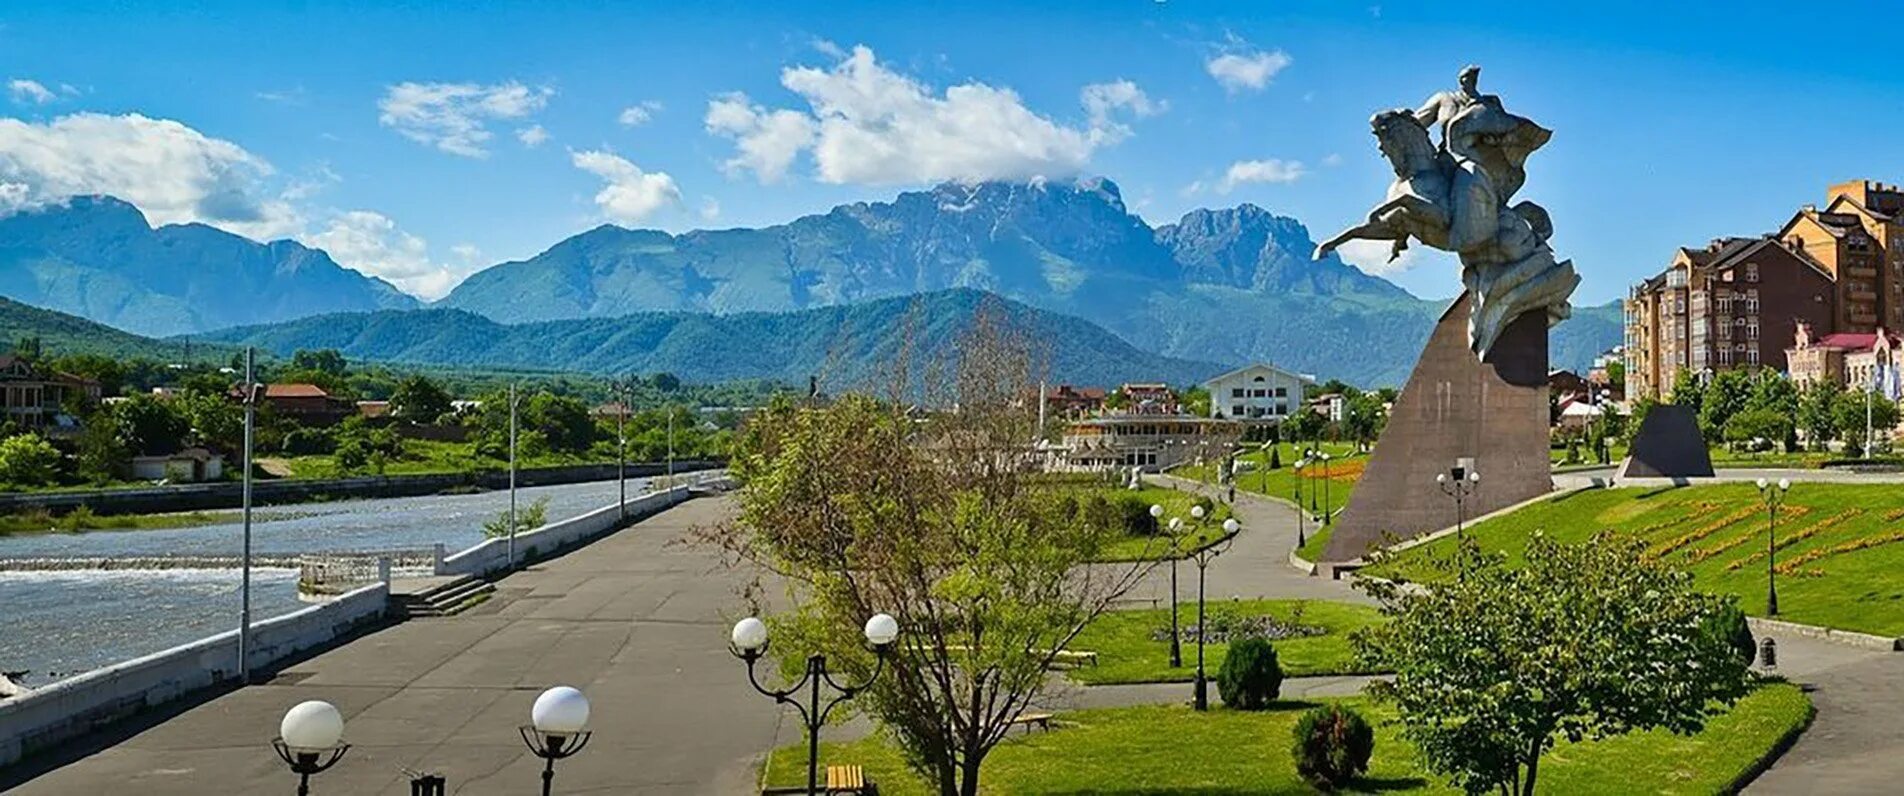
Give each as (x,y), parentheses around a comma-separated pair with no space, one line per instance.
(399,136)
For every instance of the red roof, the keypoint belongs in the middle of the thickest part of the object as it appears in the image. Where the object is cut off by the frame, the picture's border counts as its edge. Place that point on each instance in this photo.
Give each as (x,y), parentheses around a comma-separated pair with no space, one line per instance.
(1850,341)
(294,391)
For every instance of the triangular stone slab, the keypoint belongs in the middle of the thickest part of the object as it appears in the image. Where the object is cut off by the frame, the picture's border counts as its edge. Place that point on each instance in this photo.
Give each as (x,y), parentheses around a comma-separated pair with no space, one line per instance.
(1668,445)
(1455,406)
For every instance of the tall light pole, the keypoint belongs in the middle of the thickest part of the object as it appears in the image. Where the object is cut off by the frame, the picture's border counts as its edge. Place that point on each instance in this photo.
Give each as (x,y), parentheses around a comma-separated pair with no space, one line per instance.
(1176,652)
(1458,483)
(512,475)
(244,579)
(1301,531)
(749,643)
(620,389)
(1774,496)
(671,445)
(1203,556)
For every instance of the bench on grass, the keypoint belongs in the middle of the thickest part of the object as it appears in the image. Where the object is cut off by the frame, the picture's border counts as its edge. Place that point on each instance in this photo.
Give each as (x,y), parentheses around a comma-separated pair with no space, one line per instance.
(848,779)
(1028,720)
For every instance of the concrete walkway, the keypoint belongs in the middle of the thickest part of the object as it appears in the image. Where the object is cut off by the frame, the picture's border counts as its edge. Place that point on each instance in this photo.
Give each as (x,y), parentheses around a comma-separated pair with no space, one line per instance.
(1257,562)
(1856,742)
(633,621)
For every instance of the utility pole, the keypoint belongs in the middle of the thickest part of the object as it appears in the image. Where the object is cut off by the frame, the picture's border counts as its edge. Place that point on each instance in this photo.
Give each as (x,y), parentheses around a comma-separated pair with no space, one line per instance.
(671,446)
(621,445)
(244,584)
(512,474)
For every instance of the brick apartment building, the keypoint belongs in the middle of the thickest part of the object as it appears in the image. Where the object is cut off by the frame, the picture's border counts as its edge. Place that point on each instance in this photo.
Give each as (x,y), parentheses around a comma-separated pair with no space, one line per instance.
(1738,302)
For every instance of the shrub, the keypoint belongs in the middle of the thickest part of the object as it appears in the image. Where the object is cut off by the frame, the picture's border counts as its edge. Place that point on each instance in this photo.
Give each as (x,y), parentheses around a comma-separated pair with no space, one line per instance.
(1333,746)
(1729,624)
(1250,677)
(28,460)
(1134,515)
(1275,459)
(303,441)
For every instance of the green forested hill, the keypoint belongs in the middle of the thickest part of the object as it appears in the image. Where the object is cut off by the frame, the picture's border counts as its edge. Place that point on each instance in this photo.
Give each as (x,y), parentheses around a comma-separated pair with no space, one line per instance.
(68,334)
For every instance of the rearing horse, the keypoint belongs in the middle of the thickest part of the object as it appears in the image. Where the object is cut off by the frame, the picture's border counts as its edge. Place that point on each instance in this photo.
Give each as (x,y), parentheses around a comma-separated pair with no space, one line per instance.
(1418,200)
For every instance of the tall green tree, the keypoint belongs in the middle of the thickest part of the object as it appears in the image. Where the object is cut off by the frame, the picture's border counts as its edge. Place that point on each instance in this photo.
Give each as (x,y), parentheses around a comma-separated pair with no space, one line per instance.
(419,399)
(1817,415)
(150,426)
(1583,641)
(1859,411)
(326,360)
(1688,391)
(946,526)
(28,460)
(1725,395)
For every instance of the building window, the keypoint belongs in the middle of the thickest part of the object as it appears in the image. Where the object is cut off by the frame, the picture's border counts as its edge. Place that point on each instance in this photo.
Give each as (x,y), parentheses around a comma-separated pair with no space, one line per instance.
(1282,392)
(1752,356)
(1236,392)
(1752,331)
(1260,394)
(1751,272)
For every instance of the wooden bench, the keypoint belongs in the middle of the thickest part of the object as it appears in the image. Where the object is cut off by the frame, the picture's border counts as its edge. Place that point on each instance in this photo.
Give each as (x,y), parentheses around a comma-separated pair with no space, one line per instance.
(1040,720)
(848,779)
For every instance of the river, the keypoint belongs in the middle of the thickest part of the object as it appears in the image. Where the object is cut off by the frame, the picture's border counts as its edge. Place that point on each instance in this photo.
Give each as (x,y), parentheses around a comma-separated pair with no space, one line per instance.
(58,624)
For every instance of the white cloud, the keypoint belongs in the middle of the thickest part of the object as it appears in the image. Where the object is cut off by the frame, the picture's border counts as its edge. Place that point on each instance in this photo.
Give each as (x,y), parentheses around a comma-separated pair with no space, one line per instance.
(867,124)
(631,194)
(768,140)
(173,173)
(1246,68)
(467,253)
(370,243)
(638,114)
(710,208)
(30,92)
(532,136)
(1332,160)
(451,116)
(1269,171)
(1102,100)
(1371,256)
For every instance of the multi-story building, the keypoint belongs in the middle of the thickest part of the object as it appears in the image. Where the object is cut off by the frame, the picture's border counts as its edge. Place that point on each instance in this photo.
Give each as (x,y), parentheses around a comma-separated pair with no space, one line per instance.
(1854,360)
(1149,399)
(1152,442)
(1858,238)
(1735,303)
(1258,392)
(35,400)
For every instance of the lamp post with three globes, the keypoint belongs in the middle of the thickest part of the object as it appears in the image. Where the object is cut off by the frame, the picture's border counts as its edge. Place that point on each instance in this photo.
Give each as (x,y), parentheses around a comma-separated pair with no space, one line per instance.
(750,643)
(1203,556)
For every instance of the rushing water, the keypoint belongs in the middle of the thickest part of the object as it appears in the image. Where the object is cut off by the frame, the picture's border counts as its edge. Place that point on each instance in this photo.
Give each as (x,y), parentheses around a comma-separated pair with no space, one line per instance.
(63,623)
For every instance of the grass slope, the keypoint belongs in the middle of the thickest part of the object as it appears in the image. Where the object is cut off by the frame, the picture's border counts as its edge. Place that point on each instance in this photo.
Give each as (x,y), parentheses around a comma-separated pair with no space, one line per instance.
(1157,749)
(1840,556)
(1345,469)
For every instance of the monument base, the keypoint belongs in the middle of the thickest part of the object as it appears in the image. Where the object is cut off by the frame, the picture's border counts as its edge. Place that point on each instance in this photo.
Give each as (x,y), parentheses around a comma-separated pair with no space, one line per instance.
(1456,406)
(1667,445)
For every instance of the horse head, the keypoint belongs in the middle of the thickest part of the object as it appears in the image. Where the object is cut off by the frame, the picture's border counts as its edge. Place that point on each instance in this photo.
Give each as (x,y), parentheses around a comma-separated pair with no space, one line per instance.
(1405,142)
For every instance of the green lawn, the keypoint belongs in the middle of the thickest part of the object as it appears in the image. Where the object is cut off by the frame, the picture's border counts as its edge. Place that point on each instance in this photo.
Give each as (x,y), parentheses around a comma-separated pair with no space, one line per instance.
(1155,750)
(1176,503)
(1254,475)
(1128,654)
(37,522)
(1840,557)
(428,457)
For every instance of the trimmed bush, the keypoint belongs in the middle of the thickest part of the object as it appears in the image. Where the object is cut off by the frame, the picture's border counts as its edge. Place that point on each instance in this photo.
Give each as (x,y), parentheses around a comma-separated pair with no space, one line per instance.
(1333,746)
(1275,459)
(1730,624)
(1250,677)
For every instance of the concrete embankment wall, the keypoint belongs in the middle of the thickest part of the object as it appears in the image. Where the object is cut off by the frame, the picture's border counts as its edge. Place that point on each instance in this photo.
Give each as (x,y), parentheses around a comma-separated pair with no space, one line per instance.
(78,705)
(492,555)
(226,495)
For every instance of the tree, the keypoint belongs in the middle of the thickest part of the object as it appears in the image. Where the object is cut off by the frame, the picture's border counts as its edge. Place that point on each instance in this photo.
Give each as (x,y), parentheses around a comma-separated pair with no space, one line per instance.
(1774,393)
(1816,414)
(1304,426)
(1583,641)
(1251,677)
(149,426)
(1758,424)
(328,361)
(1616,375)
(109,372)
(528,518)
(1333,746)
(1688,390)
(1850,413)
(100,454)
(665,382)
(1195,400)
(1363,418)
(216,421)
(418,399)
(943,524)
(1726,395)
(30,349)
(28,460)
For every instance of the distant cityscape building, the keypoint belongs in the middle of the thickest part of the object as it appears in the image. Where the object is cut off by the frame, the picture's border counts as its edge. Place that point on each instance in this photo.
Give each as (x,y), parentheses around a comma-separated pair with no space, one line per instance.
(309,404)
(1149,399)
(1853,360)
(35,400)
(1258,392)
(1738,302)
(1068,402)
(1152,442)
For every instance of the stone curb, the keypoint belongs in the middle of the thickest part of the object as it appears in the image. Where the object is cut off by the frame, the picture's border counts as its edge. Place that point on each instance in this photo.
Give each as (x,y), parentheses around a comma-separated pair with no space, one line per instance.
(1845,637)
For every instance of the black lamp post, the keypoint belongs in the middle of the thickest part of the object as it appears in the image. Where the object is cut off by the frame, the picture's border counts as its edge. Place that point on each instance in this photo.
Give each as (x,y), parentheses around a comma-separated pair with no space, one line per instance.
(1203,556)
(557,729)
(310,740)
(1774,496)
(1176,651)
(1313,456)
(1459,482)
(750,643)
(1302,537)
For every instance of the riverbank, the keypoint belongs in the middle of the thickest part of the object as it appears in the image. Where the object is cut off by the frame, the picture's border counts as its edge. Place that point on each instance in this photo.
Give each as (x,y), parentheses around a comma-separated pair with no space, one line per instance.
(82,520)
(183,498)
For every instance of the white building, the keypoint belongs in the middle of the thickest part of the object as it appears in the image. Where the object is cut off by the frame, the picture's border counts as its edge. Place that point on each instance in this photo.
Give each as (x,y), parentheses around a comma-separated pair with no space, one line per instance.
(1257,392)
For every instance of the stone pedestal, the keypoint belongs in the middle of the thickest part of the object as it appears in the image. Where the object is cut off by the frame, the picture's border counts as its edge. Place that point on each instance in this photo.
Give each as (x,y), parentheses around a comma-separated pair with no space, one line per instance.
(1668,445)
(1455,406)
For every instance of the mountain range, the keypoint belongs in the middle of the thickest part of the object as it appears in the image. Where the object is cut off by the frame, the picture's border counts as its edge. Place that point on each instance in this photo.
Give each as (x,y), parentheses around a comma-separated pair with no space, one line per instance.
(1225,285)
(96,257)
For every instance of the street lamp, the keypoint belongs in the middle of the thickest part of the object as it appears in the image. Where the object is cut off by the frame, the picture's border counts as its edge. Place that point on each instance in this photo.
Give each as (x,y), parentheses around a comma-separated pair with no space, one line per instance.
(557,728)
(1176,648)
(1774,497)
(1203,557)
(749,643)
(1313,456)
(1458,483)
(1328,512)
(310,732)
(1301,533)
(621,389)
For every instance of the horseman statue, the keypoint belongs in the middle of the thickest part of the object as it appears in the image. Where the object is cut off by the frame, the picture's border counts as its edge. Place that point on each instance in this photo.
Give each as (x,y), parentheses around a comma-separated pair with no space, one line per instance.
(1454,196)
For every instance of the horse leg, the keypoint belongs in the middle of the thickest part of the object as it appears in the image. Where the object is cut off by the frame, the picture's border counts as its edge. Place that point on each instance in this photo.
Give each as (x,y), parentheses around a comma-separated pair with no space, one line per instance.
(1374,230)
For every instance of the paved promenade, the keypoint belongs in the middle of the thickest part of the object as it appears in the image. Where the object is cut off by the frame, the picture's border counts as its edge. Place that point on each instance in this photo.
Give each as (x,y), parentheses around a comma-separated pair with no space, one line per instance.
(633,621)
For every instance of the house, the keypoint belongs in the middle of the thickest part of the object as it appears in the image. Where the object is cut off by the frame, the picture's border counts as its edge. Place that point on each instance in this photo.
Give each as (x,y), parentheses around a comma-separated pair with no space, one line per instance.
(1149,399)
(189,465)
(1259,392)
(1332,406)
(1853,360)
(1070,402)
(34,399)
(371,410)
(307,404)
(1151,441)
(1576,414)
